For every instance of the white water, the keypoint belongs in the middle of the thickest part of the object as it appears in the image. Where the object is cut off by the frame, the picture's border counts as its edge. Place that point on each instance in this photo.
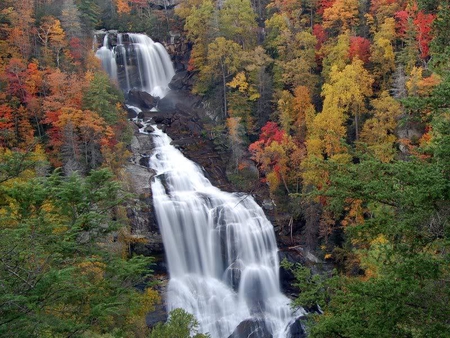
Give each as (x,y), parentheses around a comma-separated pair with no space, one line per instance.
(137,62)
(220,247)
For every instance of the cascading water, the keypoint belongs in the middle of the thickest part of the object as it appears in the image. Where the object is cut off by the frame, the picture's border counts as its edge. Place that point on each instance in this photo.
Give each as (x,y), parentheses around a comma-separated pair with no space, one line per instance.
(136,62)
(220,247)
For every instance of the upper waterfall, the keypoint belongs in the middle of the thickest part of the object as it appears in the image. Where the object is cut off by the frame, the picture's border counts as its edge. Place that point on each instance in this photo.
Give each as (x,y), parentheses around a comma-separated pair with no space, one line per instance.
(136,62)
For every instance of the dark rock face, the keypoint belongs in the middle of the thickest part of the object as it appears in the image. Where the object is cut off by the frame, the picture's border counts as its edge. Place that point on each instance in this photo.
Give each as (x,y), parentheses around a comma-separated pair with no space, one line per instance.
(141,99)
(180,116)
(296,330)
(251,328)
(147,239)
(182,81)
(158,315)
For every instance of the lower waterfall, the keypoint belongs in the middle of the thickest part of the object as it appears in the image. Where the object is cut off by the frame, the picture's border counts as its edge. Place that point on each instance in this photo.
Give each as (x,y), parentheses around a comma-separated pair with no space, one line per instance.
(220,248)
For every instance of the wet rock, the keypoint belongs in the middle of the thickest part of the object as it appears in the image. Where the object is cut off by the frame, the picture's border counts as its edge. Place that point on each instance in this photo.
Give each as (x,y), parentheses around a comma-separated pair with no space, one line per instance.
(267,204)
(233,275)
(161,119)
(159,315)
(182,81)
(251,328)
(296,330)
(141,99)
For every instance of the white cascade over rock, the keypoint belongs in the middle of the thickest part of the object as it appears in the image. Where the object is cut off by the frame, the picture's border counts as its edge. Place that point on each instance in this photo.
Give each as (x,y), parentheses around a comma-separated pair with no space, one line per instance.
(220,247)
(136,62)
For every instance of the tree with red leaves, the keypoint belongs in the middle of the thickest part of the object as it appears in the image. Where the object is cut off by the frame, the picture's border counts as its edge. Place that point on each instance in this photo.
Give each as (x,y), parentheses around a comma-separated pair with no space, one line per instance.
(424,23)
(359,47)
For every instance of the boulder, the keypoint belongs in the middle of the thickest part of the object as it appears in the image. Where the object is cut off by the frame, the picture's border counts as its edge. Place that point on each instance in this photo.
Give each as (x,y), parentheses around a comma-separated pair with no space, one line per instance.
(296,330)
(182,81)
(141,99)
(251,328)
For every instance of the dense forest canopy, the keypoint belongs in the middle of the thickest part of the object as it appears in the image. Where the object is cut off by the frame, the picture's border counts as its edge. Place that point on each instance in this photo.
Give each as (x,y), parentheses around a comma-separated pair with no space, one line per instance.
(342,104)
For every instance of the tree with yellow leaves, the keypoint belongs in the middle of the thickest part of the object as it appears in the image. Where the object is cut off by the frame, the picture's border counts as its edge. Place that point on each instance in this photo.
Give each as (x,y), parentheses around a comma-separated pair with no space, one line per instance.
(378,131)
(382,52)
(222,62)
(342,15)
(348,90)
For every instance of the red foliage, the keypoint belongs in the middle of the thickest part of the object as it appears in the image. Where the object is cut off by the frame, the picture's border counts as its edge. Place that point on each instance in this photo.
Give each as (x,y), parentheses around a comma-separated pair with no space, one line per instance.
(320,34)
(377,4)
(424,23)
(359,47)
(323,5)
(54,133)
(270,132)
(6,124)
(75,48)
(15,73)
(401,19)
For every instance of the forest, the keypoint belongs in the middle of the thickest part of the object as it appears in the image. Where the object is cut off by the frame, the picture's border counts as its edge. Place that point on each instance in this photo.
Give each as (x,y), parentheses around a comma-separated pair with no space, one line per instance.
(342,105)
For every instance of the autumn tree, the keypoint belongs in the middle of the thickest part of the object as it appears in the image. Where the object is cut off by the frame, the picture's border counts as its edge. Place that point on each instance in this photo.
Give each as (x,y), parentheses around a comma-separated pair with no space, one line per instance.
(380,10)
(296,112)
(348,90)
(237,23)
(278,158)
(360,48)
(53,39)
(222,62)
(379,131)
(382,52)
(341,16)
(250,88)
(201,29)
(336,53)
(22,18)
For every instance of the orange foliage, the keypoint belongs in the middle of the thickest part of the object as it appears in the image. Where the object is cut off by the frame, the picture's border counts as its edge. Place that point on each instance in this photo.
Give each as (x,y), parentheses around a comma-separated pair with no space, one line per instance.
(342,15)
(123,7)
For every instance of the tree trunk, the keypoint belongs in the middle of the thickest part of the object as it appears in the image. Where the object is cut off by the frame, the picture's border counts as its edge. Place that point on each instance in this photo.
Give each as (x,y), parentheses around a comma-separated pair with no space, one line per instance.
(224,83)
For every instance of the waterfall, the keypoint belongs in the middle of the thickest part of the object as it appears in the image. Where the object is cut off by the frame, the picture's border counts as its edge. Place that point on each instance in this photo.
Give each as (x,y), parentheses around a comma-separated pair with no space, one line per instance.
(136,62)
(220,248)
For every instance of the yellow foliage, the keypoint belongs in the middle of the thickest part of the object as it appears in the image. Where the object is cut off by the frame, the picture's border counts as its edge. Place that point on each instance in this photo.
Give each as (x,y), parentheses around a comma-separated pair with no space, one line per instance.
(382,51)
(273,181)
(92,269)
(355,213)
(378,131)
(342,15)
(148,300)
(418,85)
(341,158)
(239,81)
